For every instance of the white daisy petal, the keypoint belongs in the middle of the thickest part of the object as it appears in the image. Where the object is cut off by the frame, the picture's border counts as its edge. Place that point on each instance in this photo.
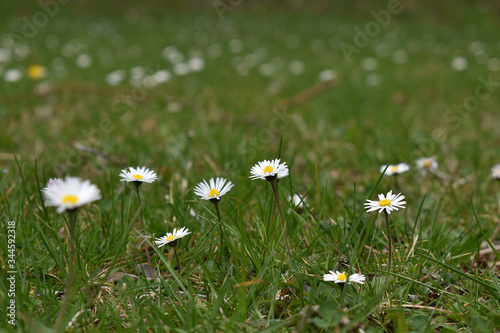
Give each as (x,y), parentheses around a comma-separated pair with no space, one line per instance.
(426,164)
(170,237)
(395,169)
(70,193)
(339,277)
(495,172)
(357,278)
(215,190)
(140,175)
(388,203)
(269,170)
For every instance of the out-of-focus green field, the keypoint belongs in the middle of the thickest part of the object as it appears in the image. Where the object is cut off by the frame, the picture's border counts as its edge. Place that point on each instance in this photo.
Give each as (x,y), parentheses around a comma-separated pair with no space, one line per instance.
(197,90)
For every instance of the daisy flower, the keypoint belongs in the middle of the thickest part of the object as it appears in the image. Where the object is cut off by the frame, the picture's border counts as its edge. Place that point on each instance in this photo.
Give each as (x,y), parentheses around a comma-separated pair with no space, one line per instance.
(269,170)
(214,189)
(298,202)
(388,203)
(172,237)
(70,193)
(36,72)
(395,169)
(139,175)
(425,164)
(495,172)
(338,277)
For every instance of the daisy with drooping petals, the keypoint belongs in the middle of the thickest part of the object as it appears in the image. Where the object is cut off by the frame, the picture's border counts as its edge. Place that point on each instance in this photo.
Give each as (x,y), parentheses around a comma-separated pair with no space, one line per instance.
(172,237)
(70,193)
(495,172)
(214,189)
(338,277)
(138,175)
(269,170)
(395,169)
(388,203)
(425,164)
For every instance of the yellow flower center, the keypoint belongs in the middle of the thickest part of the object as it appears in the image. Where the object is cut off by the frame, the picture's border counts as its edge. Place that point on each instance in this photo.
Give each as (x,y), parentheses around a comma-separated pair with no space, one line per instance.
(427,163)
(70,199)
(170,238)
(36,72)
(342,277)
(394,168)
(385,202)
(213,193)
(268,169)
(138,177)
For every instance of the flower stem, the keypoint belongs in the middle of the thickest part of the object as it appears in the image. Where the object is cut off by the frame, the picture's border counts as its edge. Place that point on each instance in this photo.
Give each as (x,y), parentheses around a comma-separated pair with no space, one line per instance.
(139,199)
(137,184)
(283,224)
(71,268)
(389,237)
(178,264)
(342,286)
(216,204)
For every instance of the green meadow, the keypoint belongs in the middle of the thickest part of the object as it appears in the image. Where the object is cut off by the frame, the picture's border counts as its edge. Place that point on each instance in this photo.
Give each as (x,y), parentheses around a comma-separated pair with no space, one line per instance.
(195,90)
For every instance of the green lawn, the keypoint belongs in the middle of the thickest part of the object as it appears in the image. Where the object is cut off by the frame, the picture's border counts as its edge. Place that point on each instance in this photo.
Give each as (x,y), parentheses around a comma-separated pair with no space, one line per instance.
(210,91)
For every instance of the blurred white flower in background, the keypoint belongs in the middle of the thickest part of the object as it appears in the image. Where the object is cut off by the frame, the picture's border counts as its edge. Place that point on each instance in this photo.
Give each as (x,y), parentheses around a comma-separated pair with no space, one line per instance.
(214,50)
(83,60)
(4,55)
(12,75)
(162,76)
(172,54)
(327,75)
(400,56)
(493,64)
(235,45)
(116,77)
(369,64)
(296,67)
(459,64)
(181,69)
(196,64)
(373,80)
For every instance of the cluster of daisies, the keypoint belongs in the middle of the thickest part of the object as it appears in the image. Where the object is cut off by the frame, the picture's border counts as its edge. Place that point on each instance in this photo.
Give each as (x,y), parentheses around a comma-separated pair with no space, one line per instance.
(71,193)
(424,165)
